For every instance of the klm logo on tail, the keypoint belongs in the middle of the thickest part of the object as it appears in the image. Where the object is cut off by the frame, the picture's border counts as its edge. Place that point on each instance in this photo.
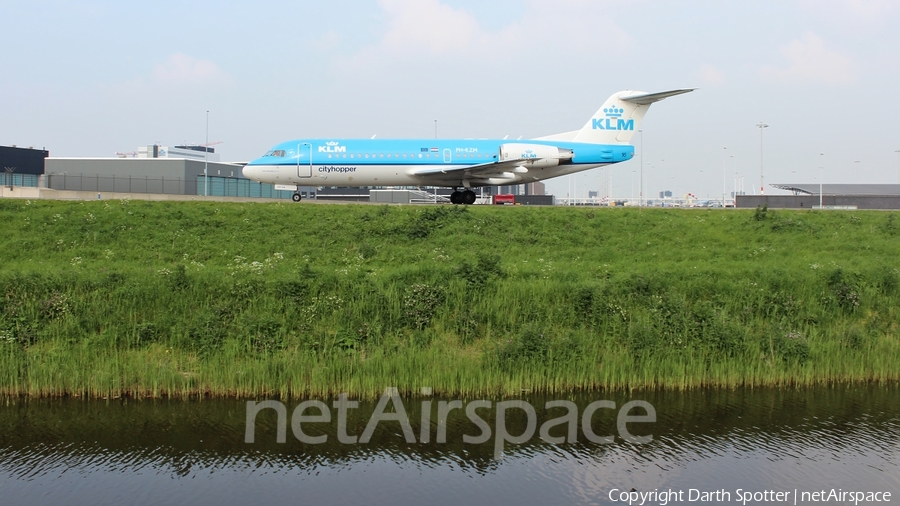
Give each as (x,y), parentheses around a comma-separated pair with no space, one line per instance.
(612,121)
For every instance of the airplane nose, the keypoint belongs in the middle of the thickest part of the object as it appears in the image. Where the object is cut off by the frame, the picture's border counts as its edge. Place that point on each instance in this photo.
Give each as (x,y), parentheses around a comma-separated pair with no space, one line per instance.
(250,172)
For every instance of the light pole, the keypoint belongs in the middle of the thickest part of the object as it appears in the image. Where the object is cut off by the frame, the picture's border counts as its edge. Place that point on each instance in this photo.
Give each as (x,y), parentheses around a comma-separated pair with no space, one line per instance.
(609,189)
(734,185)
(724,174)
(649,171)
(641,191)
(898,164)
(9,177)
(821,170)
(734,194)
(632,189)
(761,125)
(662,171)
(206,160)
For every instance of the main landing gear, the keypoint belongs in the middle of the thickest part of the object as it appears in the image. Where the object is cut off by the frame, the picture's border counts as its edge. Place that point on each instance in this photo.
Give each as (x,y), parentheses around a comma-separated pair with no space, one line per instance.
(296,197)
(466,197)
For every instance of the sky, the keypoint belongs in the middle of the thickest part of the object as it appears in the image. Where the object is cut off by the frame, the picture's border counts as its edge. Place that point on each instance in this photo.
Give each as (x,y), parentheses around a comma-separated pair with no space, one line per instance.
(89,78)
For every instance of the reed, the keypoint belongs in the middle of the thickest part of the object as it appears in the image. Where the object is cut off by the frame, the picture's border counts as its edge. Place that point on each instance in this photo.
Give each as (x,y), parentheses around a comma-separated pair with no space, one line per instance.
(153,299)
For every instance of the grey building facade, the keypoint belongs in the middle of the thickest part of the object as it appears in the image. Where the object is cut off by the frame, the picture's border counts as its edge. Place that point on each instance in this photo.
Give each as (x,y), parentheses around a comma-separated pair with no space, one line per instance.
(808,196)
(174,176)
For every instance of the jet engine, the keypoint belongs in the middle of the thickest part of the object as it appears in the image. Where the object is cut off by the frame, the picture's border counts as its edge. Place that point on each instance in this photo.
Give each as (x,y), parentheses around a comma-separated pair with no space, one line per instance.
(541,156)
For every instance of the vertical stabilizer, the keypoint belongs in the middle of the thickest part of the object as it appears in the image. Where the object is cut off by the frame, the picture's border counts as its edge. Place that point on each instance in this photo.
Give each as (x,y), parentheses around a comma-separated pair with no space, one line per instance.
(621,116)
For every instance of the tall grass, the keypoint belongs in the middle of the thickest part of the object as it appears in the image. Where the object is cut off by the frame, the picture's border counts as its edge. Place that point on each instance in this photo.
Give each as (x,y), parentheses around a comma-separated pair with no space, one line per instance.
(113,298)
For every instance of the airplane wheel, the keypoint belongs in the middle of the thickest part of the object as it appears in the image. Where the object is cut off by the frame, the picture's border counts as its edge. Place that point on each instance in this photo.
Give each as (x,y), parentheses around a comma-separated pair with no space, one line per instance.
(456,197)
(296,197)
(468,197)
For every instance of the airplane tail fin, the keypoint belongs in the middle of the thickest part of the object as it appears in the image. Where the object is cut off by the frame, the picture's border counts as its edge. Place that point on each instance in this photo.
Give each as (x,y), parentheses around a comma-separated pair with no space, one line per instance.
(621,116)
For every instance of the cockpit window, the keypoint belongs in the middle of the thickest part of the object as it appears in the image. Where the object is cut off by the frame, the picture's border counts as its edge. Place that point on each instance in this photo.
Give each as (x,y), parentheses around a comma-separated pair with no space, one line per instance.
(276,152)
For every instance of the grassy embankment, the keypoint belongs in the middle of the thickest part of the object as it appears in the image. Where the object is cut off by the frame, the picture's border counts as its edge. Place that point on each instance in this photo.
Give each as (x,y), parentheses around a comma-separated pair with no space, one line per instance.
(136,298)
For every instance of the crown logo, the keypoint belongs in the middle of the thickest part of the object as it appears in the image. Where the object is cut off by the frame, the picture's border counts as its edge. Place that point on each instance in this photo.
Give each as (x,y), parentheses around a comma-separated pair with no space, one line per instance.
(332,143)
(613,112)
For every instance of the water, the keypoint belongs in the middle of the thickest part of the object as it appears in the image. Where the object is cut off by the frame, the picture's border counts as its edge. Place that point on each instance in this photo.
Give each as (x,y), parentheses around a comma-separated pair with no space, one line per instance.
(193,452)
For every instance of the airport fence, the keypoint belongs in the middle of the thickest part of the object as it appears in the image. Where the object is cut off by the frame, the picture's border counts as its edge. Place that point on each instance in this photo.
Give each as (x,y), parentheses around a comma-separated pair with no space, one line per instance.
(234,187)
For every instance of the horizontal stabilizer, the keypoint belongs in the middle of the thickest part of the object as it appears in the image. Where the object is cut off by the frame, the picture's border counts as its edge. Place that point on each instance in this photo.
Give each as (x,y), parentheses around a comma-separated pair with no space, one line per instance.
(649,98)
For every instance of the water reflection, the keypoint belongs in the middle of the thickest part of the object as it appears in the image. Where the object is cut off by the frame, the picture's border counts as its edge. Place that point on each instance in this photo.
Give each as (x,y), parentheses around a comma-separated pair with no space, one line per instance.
(101,452)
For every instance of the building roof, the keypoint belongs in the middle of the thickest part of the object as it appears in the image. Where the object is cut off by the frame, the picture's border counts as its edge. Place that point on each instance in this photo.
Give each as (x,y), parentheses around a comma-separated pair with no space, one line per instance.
(842,189)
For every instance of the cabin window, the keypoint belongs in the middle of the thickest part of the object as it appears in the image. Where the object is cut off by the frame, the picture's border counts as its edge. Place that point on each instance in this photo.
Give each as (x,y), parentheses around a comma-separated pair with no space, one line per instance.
(344,155)
(404,155)
(351,155)
(389,155)
(329,155)
(367,155)
(381,155)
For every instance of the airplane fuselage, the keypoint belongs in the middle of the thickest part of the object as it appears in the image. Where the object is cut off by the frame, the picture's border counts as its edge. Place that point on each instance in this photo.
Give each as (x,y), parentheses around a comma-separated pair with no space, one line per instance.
(370,162)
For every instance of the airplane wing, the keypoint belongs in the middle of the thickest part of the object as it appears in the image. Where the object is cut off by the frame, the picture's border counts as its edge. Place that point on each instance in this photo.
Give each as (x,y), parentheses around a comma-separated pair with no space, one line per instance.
(479,171)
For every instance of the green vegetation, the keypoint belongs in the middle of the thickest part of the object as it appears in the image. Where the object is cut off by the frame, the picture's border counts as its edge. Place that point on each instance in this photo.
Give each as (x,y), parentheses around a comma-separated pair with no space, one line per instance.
(112,298)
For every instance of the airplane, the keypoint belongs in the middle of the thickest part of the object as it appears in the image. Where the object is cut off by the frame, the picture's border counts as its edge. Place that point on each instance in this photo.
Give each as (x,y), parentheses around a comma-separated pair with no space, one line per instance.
(461,164)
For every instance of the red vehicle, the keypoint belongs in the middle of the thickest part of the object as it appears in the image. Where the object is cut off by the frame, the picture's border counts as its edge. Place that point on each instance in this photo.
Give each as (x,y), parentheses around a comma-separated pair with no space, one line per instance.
(504,199)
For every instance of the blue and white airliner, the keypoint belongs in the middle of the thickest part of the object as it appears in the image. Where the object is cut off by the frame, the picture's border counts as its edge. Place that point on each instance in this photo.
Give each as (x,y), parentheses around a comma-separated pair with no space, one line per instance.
(461,164)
